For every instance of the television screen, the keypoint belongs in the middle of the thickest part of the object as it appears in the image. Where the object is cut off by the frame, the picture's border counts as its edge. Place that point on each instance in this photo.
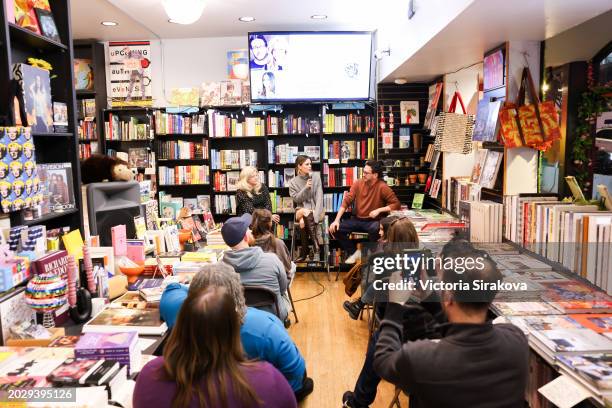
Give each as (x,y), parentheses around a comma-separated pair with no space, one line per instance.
(302,66)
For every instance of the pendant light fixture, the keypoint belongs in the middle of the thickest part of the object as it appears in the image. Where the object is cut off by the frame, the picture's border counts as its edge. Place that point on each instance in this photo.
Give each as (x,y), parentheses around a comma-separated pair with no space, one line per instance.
(183,11)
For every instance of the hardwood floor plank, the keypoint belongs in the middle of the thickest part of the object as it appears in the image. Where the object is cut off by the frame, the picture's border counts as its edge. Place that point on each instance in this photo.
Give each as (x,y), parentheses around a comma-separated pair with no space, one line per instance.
(332,344)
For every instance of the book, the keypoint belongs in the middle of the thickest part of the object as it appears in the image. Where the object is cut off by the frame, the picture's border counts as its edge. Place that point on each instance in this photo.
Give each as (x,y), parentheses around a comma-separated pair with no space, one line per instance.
(56,187)
(600,323)
(529,324)
(210,94)
(145,322)
(562,340)
(490,169)
(575,297)
(54,262)
(65,341)
(595,368)
(478,165)
(417,201)
(102,373)
(409,112)
(524,308)
(92,343)
(387,140)
(72,372)
(481,120)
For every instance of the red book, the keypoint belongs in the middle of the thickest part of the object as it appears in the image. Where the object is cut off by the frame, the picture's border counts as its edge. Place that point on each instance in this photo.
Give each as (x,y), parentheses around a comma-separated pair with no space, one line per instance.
(55,262)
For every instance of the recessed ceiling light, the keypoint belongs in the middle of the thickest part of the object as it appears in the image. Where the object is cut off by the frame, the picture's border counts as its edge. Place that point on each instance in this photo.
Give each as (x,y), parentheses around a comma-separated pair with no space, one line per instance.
(173,22)
(247,19)
(318,16)
(109,23)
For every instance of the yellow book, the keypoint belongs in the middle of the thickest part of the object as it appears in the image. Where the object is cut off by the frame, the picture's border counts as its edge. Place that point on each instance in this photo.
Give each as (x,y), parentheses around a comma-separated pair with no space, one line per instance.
(73,242)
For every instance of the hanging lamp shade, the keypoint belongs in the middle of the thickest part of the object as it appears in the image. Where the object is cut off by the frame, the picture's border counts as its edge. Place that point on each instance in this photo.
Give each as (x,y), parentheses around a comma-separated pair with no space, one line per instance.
(184,11)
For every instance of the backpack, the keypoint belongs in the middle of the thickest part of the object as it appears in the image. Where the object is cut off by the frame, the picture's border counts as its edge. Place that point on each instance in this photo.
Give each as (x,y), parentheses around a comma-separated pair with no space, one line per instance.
(352,279)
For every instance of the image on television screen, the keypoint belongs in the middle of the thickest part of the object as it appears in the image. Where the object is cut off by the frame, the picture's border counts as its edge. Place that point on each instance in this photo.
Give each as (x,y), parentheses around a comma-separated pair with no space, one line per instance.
(310,66)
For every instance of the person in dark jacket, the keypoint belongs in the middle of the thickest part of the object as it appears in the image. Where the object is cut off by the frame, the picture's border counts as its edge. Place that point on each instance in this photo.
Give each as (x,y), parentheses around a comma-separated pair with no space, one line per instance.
(476,363)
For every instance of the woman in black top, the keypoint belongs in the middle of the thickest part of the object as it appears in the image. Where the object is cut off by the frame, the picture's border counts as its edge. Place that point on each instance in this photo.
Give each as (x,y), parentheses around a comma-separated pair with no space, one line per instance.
(252,193)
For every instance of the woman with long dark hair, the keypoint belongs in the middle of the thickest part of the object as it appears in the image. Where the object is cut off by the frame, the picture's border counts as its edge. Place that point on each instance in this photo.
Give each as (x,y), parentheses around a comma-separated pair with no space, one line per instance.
(307,193)
(262,228)
(204,365)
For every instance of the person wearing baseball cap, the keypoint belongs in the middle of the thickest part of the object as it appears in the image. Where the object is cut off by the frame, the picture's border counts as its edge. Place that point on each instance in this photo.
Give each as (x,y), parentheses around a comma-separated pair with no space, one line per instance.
(255,266)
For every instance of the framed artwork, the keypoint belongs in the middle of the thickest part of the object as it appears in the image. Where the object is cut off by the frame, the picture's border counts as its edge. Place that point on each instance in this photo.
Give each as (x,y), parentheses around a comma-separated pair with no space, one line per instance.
(47,24)
(409,112)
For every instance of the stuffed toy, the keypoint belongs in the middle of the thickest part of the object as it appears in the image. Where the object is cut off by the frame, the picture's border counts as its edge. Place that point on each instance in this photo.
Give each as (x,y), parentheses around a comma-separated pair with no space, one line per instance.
(98,168)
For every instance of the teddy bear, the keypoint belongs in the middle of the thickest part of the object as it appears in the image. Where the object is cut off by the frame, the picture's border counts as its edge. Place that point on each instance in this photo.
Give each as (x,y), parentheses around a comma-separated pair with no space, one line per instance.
(98,168)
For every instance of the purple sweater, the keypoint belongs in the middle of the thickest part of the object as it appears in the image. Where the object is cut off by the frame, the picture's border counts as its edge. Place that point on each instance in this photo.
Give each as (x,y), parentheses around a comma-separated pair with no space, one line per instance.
(269,385)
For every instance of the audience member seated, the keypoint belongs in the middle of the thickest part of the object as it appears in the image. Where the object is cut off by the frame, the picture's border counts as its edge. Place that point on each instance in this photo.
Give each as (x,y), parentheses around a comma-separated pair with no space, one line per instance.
(262,334)
(404,235)
(475,364)
(371,197)
(263,232)
(255,266)
(204,364)
(419,321)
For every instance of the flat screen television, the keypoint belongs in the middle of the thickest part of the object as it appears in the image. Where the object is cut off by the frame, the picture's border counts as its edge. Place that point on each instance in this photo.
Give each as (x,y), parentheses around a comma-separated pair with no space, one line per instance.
(310,66)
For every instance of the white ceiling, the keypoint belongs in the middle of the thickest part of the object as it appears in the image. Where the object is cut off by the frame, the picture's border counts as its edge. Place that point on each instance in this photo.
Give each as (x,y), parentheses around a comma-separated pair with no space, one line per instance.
(137,18)
(485,24)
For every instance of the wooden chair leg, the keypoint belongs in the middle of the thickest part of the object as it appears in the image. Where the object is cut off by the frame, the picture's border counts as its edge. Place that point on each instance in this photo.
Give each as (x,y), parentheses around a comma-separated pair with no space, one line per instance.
(395,402)
(292,305)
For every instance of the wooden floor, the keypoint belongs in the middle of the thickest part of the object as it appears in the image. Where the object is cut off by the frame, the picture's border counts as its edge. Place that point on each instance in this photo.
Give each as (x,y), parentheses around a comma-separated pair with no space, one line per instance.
(332,344)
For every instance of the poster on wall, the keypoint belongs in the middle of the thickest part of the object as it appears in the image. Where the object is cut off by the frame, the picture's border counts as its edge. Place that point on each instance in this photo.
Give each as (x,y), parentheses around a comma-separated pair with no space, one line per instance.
(237,64)
(130,76)
(493,68)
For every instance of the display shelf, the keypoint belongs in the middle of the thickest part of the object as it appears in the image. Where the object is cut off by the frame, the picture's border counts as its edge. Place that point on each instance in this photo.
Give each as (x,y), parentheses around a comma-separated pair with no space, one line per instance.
(85,92)
(33,40)
(182,185)
(184,160)
(237,138)
(52,134)
(50,216)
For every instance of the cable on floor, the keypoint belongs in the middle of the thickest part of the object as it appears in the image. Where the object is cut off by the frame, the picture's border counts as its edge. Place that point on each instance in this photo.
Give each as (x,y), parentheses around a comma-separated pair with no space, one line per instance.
(312,275)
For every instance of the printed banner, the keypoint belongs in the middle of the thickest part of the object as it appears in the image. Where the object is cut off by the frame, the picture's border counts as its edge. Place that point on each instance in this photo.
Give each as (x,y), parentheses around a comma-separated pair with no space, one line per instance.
(130,75)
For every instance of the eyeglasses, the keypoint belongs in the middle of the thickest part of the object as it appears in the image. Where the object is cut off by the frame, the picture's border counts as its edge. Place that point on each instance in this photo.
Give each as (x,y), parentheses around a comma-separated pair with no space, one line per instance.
(367,172)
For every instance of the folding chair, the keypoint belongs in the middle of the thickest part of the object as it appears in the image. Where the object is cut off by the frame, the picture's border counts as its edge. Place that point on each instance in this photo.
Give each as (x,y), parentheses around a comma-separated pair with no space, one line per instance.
(395,402)
(262,298)
(323,251)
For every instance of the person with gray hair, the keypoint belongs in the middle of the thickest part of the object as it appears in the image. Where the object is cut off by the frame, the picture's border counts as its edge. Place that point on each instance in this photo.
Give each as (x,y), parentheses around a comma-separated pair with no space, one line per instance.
(262,334)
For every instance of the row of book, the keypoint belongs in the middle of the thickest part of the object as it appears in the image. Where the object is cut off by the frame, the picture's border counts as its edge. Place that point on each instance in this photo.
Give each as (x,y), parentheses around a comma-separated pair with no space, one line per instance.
(183,175)
(183,150)
(291,124)
(86,108)
(226,181)
(286,154)
(168,123)
(131,129)
(87,130)
(283,231)
(332,201)
(577,236)
(340,176)
(281,204)
(223,125)
(349,149)
(86,149)
(232,159)
(350,123)
(225,204)
(277,178)
(484,220)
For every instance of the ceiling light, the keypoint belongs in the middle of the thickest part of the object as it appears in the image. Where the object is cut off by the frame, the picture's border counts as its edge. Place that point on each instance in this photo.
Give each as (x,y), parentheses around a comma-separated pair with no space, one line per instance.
(318,16)
(184,11)
(247,19)
(172,21)
(401,81)
(109,23)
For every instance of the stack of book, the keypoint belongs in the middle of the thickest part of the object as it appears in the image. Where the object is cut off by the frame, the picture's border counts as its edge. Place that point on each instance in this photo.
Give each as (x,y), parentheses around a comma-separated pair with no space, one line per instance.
(226,181)
(484,219)
(121,347)
(112,320)
(225,204)
(183,175)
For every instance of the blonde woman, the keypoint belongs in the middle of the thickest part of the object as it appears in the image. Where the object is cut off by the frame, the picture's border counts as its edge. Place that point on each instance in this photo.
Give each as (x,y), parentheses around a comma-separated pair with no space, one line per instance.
(252,193)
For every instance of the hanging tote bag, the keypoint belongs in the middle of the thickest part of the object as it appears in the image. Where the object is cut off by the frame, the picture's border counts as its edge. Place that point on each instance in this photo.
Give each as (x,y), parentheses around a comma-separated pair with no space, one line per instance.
(537,122)
(454,130)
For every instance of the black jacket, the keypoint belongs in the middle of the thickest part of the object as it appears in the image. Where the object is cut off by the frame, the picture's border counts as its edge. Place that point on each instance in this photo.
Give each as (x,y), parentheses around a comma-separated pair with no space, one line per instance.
(473,365)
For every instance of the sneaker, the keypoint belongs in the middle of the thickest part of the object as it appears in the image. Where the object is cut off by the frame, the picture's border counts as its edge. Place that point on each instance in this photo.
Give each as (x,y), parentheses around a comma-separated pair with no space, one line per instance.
(347,399)
(353,308)
(353,258)
(307,387)
(287,322)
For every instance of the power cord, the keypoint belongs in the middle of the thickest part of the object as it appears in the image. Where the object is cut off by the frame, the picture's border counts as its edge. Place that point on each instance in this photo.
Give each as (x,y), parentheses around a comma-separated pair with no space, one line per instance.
(312,275)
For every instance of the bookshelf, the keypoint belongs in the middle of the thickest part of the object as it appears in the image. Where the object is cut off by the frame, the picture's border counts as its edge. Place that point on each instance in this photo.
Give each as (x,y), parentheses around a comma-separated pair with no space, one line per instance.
(19,44)
(94,100)
(406,165)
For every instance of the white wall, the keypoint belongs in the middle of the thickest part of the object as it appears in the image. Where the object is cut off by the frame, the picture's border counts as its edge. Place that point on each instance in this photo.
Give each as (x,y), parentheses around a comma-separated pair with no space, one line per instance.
(186,62)
(405,37)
